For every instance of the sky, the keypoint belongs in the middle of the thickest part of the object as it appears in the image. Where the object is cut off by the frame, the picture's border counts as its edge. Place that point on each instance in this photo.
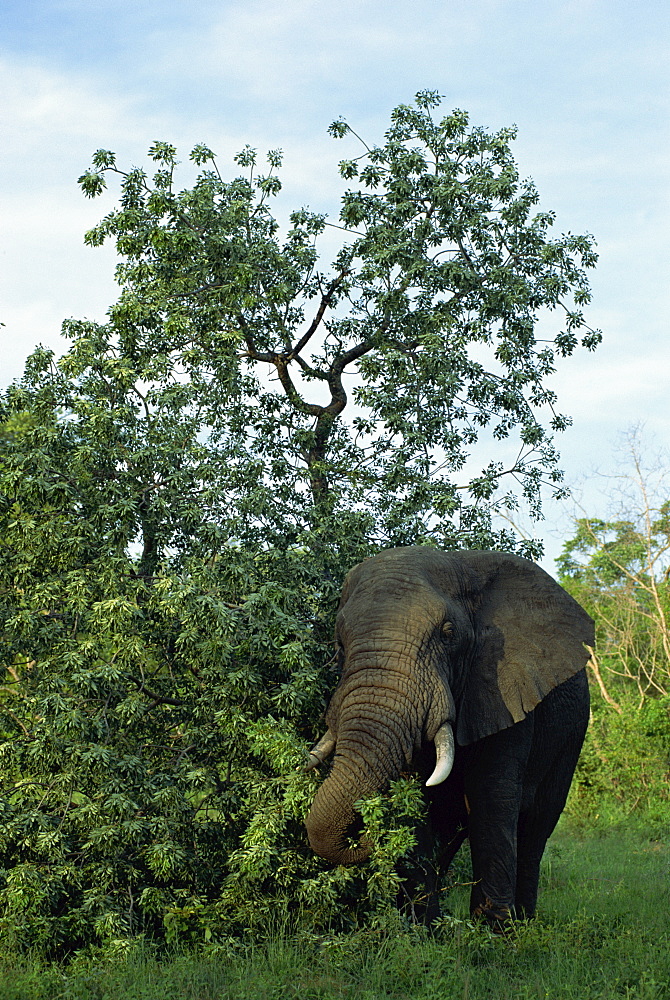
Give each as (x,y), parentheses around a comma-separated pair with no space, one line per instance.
(587,83)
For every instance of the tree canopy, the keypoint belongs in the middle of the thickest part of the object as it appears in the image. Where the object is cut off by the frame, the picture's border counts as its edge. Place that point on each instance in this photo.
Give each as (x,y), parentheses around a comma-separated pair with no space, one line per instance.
(183,490)
(430,309)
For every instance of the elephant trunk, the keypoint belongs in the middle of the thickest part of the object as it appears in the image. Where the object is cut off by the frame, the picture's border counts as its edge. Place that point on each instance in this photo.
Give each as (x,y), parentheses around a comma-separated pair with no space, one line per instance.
(332,814)
(383,710)
(369,754)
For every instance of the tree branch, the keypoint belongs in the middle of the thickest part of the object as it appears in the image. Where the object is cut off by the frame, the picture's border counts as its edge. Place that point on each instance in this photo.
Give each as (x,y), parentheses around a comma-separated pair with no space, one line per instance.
(325,302)
(595,668)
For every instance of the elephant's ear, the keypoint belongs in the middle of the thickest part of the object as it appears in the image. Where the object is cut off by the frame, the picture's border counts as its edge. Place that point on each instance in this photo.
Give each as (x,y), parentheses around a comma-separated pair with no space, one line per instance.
(530,637)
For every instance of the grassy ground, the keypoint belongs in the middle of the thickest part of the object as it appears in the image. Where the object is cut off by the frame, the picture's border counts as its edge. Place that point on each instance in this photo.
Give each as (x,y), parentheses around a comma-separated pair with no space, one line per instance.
(602,932)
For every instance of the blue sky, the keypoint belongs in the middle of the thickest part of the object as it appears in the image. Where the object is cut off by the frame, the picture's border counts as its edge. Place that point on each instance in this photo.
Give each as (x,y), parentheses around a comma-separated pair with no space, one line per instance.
(587,83)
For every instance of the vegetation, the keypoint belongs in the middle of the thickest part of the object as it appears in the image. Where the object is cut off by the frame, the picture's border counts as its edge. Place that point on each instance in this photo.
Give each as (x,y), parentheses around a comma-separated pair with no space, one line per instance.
(601,935)
(617,568)
(181,495)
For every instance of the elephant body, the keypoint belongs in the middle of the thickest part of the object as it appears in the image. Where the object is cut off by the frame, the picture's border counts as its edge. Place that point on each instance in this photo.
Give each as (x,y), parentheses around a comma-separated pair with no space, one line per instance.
(468,668)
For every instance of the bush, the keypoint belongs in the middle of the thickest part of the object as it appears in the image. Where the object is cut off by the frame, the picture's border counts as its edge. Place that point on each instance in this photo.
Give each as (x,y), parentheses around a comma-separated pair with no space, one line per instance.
(624,767)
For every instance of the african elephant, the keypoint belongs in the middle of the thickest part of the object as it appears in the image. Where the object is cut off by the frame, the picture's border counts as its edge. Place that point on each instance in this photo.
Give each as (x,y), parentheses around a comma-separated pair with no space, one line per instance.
(467,667)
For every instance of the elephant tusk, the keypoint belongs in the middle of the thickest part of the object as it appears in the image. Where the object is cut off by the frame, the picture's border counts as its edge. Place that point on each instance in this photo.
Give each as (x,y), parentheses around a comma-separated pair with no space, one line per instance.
(444,748)
(321,751)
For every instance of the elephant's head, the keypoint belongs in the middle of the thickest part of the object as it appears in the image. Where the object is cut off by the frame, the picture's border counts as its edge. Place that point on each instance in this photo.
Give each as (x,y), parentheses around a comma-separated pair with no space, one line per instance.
(431,644)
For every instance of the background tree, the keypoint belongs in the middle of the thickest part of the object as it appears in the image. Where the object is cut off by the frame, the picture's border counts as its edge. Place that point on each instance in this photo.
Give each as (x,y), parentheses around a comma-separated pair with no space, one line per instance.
(181,497)
(618,569)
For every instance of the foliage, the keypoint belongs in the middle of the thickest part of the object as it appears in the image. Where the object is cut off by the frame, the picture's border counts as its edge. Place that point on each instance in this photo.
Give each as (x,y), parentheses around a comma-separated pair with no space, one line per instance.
(624,767)
(175,525)
(431,303)
(617,568)
(601,934)
(388,823)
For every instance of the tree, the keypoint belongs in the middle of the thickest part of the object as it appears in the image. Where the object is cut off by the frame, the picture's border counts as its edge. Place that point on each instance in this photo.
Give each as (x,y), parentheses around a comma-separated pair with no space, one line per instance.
(443,262)
(618,569)
(181,497)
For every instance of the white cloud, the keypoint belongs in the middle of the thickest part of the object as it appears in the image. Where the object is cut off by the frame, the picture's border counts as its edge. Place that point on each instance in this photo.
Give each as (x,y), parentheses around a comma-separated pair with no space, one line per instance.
(275,49)
(41,107)
(50,124)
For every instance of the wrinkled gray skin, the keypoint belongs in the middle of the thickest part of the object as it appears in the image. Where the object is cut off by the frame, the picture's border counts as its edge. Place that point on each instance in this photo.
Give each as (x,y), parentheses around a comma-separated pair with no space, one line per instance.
(489,644)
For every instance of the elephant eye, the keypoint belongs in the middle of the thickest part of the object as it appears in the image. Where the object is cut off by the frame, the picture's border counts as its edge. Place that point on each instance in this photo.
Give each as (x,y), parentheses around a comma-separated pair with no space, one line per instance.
(448,629)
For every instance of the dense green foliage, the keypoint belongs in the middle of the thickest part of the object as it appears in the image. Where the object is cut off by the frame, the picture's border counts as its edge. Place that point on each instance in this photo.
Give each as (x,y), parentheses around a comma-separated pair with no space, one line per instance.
(624,767)
(601,934)
(175,524)
(617,568)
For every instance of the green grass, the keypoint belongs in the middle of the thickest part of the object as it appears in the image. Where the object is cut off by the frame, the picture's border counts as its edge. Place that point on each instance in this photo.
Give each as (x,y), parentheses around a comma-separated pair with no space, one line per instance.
(602,931)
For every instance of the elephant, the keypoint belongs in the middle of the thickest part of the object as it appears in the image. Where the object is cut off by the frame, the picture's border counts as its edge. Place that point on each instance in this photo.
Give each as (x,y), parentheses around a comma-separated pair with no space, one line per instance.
(468,668)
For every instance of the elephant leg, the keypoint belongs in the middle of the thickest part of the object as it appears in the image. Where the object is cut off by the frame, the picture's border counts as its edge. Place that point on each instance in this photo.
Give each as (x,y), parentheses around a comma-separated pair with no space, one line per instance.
(437,843)
(448,822)
(532,839)
(494,869)
(448,815)
(536,824)
(535,827)
(494,786)
(418,897)
(560,724)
